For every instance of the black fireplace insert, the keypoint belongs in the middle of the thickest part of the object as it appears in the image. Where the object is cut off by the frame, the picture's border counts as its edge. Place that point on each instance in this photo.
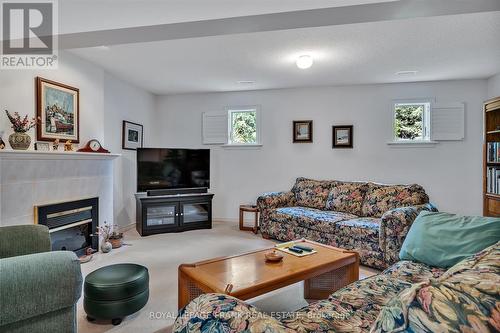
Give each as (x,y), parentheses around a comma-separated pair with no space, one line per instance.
(71,224)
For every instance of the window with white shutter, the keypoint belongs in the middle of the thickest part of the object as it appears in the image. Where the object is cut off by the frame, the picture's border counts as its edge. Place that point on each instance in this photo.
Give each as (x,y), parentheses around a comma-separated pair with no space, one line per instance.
(447,121)
(238,126)
(243,125)
(411,121)
(422,121)
(214,128)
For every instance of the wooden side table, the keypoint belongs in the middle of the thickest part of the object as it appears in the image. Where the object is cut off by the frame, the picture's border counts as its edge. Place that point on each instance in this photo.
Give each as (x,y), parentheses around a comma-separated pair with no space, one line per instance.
(249,209)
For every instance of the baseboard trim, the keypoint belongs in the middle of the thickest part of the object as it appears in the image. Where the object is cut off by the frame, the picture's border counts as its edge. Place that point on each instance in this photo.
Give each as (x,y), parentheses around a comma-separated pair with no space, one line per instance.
(225,220)
(125,228)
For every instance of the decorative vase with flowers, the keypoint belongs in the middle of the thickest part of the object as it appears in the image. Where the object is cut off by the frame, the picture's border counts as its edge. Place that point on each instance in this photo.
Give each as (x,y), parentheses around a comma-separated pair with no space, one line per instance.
(19,140)
(110,239)
(116,239)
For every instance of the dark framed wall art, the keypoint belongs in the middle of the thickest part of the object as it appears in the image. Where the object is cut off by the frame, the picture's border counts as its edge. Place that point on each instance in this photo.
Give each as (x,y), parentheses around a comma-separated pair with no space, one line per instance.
(132,135)
(342,136)
(302,131)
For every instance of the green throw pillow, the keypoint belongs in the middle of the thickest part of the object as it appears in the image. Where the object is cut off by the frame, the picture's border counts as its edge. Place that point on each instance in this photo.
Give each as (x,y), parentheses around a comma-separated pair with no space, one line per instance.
(443,239)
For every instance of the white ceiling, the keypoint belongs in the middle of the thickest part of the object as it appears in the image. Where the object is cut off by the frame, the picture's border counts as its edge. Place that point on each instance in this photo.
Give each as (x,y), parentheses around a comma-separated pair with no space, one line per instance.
(91,15)
(439,48)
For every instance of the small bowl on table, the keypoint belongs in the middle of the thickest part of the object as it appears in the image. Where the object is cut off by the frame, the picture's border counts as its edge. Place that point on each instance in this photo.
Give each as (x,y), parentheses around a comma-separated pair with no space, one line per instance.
(273,256)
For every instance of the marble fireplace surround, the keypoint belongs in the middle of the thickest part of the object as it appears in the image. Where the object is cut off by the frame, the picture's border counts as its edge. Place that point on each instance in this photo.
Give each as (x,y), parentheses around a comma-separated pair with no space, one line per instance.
(33,178)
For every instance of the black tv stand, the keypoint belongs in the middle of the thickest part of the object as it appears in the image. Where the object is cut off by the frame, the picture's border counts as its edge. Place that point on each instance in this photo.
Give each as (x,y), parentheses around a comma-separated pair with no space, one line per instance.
(177,191)
(176,210)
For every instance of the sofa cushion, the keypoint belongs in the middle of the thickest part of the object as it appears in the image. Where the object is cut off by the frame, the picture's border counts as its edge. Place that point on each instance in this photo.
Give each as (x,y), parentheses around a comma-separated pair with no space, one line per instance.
(413,272)
(464,299)
(443,239)
(359,228)
(347,197)
(351,309)
(381,198)
(312,193)
(310,218)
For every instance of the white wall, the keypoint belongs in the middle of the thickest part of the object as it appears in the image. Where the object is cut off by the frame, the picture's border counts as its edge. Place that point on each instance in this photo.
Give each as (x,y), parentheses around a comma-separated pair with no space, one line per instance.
(494,86)
(104,103)
(125,102)
(450,172)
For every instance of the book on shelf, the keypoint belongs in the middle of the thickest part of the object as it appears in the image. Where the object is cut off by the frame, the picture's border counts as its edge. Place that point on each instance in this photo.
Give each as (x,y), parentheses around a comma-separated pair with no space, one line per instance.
(493,180)
(493,152)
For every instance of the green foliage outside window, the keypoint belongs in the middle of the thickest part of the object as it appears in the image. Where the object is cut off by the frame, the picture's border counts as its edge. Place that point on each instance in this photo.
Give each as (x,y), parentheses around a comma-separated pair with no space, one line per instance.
(244,127)
(408,123)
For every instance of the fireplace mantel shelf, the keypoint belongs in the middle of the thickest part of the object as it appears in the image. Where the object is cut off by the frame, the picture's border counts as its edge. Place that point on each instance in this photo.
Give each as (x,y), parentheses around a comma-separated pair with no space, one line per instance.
(53,155)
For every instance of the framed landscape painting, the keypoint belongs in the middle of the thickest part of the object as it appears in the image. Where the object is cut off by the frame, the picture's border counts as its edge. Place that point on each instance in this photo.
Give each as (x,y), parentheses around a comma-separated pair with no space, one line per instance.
(342,136)
(58,111)
(302,131)
(132,135)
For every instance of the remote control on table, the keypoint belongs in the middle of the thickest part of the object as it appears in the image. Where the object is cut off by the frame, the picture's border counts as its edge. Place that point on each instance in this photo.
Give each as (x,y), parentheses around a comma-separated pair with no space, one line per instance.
(304,248)
(294,249)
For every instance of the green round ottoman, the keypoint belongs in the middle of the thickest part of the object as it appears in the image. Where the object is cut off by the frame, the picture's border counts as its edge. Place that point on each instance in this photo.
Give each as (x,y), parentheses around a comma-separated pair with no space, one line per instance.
(115,291)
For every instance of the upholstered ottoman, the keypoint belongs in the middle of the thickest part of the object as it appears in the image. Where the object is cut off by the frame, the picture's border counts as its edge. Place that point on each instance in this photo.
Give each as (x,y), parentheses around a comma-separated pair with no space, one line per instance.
(115,291)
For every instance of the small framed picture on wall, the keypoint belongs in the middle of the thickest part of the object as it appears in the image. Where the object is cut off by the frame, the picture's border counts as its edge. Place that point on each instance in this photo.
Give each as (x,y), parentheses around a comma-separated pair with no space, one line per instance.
(342,136)
(132,136)
(302,131)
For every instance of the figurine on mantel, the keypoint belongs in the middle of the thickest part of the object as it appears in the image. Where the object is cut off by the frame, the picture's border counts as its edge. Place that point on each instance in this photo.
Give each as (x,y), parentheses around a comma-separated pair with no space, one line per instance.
(68,146)
(55,145)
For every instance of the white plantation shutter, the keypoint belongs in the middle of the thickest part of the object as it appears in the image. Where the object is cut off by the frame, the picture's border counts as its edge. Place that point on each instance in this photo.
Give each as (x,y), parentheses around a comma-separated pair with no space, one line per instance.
(447,121)
(214,128)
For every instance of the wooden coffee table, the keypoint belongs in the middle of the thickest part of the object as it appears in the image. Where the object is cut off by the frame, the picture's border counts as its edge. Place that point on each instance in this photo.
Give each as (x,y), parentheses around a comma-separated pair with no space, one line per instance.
(248,275)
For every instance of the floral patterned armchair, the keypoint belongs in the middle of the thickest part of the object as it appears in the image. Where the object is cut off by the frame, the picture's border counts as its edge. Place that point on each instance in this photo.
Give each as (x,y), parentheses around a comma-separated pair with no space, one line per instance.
(407,297)
(372,219)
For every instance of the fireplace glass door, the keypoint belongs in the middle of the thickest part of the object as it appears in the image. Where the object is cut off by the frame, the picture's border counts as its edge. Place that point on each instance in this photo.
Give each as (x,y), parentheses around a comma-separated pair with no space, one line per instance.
(72,239)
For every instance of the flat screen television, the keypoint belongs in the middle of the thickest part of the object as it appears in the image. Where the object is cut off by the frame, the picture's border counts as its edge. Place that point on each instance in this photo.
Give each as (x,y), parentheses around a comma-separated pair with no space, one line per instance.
(165,168)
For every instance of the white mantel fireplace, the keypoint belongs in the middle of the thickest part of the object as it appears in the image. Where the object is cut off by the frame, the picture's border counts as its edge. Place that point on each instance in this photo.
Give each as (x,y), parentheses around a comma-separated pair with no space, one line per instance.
(30,178)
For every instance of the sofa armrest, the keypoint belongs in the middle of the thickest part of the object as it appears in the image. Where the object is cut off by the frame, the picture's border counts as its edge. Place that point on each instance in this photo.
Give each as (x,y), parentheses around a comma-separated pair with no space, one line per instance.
(223,313)
(272,200)
(269,201)
(20,240)
(39,283)
(394,227)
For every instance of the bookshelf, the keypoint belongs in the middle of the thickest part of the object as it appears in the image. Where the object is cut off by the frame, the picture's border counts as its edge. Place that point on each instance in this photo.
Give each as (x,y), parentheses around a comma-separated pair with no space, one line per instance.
(491,158)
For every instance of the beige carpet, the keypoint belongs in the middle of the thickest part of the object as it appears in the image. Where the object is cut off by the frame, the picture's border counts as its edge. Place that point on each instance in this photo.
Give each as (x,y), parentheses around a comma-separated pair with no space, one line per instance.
(162,254)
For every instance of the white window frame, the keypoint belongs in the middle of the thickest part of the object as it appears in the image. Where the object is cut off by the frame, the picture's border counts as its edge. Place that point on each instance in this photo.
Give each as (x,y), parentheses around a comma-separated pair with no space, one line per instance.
(244,108)
(426,126)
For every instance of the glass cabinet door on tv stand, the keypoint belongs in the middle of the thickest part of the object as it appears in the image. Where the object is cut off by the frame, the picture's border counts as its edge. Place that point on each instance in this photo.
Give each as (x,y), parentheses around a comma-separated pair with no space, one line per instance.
(161,215)
(195,212)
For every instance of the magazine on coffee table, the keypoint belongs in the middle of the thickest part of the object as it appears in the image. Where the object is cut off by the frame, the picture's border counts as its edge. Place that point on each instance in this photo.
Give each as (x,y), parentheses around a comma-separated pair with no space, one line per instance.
(285,247)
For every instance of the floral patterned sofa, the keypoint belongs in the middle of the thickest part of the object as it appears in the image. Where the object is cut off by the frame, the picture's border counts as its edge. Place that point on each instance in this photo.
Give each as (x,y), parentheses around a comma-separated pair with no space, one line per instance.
(372,219)
(407,297)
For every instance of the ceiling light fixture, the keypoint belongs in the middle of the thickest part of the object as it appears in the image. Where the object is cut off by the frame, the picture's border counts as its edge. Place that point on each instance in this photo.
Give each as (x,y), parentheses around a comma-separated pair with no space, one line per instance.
(245,82)
(304,61)
(406,72)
